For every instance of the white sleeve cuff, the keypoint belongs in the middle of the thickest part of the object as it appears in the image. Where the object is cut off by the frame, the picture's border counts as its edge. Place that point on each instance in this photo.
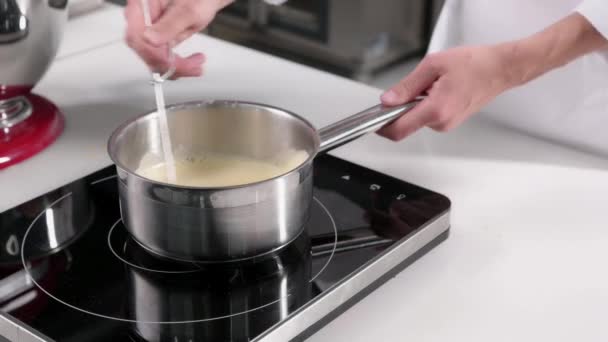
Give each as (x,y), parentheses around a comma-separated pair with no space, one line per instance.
(596,11)
(275,2)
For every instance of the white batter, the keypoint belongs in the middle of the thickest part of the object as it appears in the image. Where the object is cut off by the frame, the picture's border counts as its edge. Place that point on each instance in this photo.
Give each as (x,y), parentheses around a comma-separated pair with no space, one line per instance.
(219,170)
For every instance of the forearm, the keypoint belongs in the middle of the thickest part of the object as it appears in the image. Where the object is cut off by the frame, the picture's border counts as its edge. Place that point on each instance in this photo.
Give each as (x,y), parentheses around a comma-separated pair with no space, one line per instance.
(557,45)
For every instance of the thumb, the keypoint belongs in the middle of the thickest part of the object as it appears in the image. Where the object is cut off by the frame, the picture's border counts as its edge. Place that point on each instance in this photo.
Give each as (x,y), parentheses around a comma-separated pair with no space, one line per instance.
(183,18)
(411,86)
(176,19)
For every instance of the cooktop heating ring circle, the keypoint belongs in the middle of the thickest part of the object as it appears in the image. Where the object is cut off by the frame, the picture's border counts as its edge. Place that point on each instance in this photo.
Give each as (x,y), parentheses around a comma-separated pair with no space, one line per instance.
(116,254)
(325,209)
(333,250)
(27,270)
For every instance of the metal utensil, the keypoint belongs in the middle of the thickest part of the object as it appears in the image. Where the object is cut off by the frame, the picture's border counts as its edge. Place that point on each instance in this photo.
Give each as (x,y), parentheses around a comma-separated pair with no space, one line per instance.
(227,223)
(157,82)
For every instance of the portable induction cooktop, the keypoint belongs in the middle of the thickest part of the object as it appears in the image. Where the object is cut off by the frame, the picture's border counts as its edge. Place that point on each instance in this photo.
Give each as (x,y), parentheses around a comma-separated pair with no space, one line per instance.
(69,271)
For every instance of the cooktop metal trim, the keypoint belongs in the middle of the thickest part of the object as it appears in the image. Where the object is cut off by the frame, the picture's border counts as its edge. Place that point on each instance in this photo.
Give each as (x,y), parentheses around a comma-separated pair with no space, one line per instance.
(316,310)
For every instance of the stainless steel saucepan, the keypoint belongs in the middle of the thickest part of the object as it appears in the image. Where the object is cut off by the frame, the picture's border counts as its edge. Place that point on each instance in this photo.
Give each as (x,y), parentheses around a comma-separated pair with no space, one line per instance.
(227,223)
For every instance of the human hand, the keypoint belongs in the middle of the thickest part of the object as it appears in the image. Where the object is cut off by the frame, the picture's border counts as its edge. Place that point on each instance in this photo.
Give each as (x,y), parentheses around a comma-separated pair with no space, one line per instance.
(458,83)
(173,22)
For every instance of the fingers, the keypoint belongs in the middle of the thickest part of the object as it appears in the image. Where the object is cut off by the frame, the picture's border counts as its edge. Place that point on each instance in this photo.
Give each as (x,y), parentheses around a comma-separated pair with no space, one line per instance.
(157,60)
(458,81)
(414,84)
(184,35)
(424,113)
(135,15)
(190,66)
(157,57)
(169,26)
(428,112)
(439,111)
(180,20)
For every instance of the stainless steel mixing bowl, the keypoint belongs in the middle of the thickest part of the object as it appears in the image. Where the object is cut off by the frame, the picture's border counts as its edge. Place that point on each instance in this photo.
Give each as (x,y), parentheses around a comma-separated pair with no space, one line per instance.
(30,33)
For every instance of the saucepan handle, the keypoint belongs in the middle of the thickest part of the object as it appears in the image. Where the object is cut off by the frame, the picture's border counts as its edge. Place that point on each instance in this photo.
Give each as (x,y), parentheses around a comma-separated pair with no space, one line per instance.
(355,126)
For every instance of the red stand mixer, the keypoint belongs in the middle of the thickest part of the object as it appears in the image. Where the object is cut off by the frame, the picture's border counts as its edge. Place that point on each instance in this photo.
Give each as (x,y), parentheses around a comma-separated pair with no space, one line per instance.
(30,33)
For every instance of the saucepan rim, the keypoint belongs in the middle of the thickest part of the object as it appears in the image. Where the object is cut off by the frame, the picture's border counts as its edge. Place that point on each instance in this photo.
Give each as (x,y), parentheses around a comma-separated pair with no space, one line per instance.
(112,145)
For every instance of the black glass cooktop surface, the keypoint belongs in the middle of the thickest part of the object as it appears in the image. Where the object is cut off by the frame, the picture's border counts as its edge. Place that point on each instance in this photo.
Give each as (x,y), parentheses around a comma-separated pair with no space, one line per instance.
(70,271)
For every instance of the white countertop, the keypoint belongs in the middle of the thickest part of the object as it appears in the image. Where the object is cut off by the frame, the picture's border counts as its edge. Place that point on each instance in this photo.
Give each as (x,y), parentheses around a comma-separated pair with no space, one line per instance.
(528,246)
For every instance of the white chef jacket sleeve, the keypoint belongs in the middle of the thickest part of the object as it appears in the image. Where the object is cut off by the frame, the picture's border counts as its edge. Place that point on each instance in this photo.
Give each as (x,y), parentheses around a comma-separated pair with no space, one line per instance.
(275,2)
(448,29)
(596,11)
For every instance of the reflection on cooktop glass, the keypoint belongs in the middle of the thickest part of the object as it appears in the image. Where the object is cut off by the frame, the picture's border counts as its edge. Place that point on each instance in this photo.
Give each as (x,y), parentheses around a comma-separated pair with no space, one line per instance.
(70,271)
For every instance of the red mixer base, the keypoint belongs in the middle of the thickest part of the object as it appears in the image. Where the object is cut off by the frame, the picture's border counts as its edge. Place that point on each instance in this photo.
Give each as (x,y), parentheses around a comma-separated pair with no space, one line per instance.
(33,134)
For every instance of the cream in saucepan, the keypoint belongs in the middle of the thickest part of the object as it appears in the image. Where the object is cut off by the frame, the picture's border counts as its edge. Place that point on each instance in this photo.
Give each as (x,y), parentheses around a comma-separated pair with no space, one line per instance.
(220,170)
